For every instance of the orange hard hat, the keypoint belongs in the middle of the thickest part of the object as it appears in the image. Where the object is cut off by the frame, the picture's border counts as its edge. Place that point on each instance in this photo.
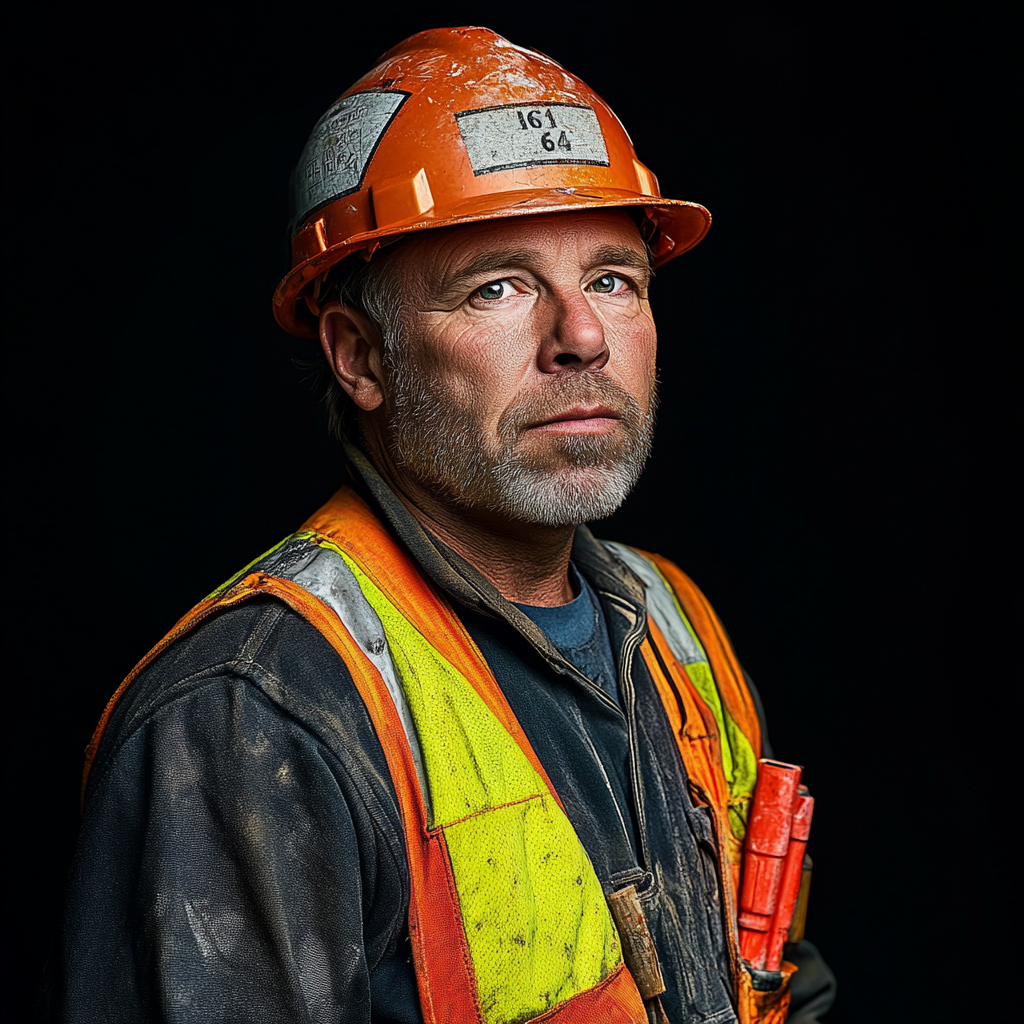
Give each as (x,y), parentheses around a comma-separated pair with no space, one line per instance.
(457,125)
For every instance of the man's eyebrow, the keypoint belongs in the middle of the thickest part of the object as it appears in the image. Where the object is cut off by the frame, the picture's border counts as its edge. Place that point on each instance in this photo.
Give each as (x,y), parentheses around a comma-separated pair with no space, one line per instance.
(623,256)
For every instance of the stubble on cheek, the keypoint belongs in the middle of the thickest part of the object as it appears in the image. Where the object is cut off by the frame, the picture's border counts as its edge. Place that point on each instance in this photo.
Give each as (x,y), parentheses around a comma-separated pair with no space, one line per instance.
(437,392)
(431,435)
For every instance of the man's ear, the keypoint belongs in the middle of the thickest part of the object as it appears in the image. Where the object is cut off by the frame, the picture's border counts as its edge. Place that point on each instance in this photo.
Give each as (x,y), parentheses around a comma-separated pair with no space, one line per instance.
(352,346)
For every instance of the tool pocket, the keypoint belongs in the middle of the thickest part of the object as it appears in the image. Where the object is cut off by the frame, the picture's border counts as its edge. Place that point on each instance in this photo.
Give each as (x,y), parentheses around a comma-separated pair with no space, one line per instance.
(764,995)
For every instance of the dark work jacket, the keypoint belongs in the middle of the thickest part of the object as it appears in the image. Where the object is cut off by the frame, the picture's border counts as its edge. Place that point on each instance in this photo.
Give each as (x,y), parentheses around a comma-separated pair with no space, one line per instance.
(236,863)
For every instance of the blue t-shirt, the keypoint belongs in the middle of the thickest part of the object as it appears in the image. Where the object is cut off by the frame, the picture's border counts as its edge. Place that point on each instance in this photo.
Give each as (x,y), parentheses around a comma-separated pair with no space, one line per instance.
(579,631)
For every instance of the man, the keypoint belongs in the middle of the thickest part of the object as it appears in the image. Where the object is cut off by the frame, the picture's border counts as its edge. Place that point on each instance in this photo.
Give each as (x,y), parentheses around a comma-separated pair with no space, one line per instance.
(413,763)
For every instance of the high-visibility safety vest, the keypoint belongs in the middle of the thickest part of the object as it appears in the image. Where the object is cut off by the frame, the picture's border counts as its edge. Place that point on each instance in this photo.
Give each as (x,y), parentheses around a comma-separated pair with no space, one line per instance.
(507,919)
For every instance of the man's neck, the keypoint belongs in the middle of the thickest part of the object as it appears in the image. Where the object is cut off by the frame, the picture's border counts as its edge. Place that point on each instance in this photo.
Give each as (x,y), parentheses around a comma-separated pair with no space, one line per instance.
(527,563)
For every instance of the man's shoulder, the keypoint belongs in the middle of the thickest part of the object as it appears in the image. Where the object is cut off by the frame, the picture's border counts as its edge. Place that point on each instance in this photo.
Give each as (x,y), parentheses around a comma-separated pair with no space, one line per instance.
(249,637)
(259,651)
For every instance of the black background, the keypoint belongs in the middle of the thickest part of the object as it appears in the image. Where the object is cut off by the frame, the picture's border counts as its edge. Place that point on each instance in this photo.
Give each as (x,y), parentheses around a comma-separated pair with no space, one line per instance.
(827,464)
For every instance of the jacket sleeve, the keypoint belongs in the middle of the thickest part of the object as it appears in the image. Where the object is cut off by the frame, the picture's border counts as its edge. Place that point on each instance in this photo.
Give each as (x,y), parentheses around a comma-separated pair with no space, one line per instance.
(229,868)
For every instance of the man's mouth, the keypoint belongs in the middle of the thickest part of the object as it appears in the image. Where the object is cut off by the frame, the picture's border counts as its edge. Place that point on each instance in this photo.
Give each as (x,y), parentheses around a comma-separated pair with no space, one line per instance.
(580,419)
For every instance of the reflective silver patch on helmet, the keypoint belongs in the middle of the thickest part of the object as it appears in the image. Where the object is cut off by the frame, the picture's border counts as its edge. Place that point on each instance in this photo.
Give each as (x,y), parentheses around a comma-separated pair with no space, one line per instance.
(340,147)
(527,135)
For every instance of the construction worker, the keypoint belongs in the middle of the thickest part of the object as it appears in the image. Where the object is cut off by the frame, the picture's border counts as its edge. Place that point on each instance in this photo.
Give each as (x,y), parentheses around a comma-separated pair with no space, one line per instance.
(413,762)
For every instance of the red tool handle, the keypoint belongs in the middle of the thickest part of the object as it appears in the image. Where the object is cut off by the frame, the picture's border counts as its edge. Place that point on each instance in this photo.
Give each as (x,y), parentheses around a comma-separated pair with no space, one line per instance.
(765,849)
(789,889)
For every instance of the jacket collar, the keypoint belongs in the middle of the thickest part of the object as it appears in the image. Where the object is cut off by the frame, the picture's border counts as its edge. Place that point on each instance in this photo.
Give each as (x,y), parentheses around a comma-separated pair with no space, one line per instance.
(617,585)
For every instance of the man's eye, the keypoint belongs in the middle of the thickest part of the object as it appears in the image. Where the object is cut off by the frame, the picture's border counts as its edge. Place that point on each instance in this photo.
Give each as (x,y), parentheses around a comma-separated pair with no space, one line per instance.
(494,290)
(608,283)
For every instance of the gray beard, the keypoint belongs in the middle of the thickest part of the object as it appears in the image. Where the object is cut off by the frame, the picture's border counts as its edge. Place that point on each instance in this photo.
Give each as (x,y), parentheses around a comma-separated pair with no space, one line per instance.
(575,479)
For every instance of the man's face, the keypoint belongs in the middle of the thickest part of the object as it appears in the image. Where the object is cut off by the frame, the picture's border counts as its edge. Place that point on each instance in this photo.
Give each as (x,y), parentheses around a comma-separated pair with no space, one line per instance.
(522,382)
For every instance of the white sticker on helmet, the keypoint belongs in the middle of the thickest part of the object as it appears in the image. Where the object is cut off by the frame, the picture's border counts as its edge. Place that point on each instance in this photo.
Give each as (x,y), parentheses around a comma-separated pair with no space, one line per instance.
(524,135)
(340,147)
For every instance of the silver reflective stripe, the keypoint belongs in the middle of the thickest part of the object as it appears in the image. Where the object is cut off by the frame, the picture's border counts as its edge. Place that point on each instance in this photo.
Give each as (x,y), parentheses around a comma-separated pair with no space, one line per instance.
(324,574)
(530,134)
(340,147)
(661,605)
(287,560)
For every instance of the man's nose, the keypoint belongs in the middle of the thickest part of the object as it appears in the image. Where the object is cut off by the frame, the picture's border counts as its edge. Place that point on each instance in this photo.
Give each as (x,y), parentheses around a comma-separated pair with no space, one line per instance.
(573,335)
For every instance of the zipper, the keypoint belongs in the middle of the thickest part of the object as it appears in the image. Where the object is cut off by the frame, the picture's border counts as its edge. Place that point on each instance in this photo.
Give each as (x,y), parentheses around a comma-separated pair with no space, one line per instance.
(629,649)
(627,692)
